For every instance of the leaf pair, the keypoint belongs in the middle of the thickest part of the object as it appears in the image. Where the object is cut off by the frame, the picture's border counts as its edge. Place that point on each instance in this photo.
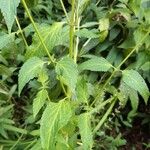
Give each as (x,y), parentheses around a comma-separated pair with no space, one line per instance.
(66,69)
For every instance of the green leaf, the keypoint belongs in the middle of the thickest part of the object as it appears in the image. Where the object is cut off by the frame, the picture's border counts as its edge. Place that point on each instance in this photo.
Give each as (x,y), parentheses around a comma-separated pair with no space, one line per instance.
(28,71)
(55,116)
(146,66)
(15,129)
(95,64)
(4,70)
(32,3)
(103,36)
(36,146)
(6,39)
(124,1)
(39,101)
(82,91)
(67,71)
(52,36)
(104,24)
(9,10)
(89,24)
(134,80)
(133,95)
(138,35)
(88,33)
(85,131)
(145,4)
(135,6)
(82,4)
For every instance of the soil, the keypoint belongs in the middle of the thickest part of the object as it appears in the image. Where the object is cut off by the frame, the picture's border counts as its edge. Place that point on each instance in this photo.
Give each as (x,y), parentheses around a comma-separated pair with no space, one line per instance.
(139,133)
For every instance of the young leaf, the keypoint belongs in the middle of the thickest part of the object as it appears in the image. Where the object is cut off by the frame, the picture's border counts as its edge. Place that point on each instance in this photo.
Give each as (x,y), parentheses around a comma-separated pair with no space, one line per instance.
(55,116)
(28,71)
(103,24)
(95,64)
(85,131)
(66,69)
(134,80)
(39,101)
(8,8)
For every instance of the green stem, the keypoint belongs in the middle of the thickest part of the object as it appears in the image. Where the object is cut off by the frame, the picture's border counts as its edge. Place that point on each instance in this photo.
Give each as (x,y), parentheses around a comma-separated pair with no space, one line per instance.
(104,118)
(115,70)
(15,144)
(36,30)
(98,2)
(62,85)
(72,29)
(101,105)
(77,38)
(18,24)
(64,9)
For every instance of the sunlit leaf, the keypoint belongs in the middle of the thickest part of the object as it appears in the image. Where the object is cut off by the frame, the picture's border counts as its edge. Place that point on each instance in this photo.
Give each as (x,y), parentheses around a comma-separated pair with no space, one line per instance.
(55,116)
(28,71)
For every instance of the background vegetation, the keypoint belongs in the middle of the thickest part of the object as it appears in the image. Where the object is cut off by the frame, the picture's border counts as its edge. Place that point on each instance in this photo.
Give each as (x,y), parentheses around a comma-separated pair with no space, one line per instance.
(74,74)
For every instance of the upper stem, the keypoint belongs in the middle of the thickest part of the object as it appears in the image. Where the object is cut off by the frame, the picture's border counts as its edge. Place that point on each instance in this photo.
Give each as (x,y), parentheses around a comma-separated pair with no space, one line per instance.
(36,30)
(72,29)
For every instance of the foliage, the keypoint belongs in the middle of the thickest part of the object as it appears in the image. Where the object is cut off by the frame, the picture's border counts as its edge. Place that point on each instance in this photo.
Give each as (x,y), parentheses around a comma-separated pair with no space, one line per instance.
(69,70)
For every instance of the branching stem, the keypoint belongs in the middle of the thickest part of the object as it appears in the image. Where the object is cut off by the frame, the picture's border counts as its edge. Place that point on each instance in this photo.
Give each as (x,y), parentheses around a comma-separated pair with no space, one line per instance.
(115,70)
(104,118)
(23,37)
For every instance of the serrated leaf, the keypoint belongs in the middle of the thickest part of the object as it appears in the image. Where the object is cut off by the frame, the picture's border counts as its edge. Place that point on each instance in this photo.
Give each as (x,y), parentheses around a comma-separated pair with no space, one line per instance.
(129,93)
(134,80)
(82,4)
(89,24)
(39,101)
(133,95)
(85,131)
(28,71)
(52,36)
(82,91)
(9,10)
(66,69)
(6,39)
(88,33)
(95,64)
(55,116)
